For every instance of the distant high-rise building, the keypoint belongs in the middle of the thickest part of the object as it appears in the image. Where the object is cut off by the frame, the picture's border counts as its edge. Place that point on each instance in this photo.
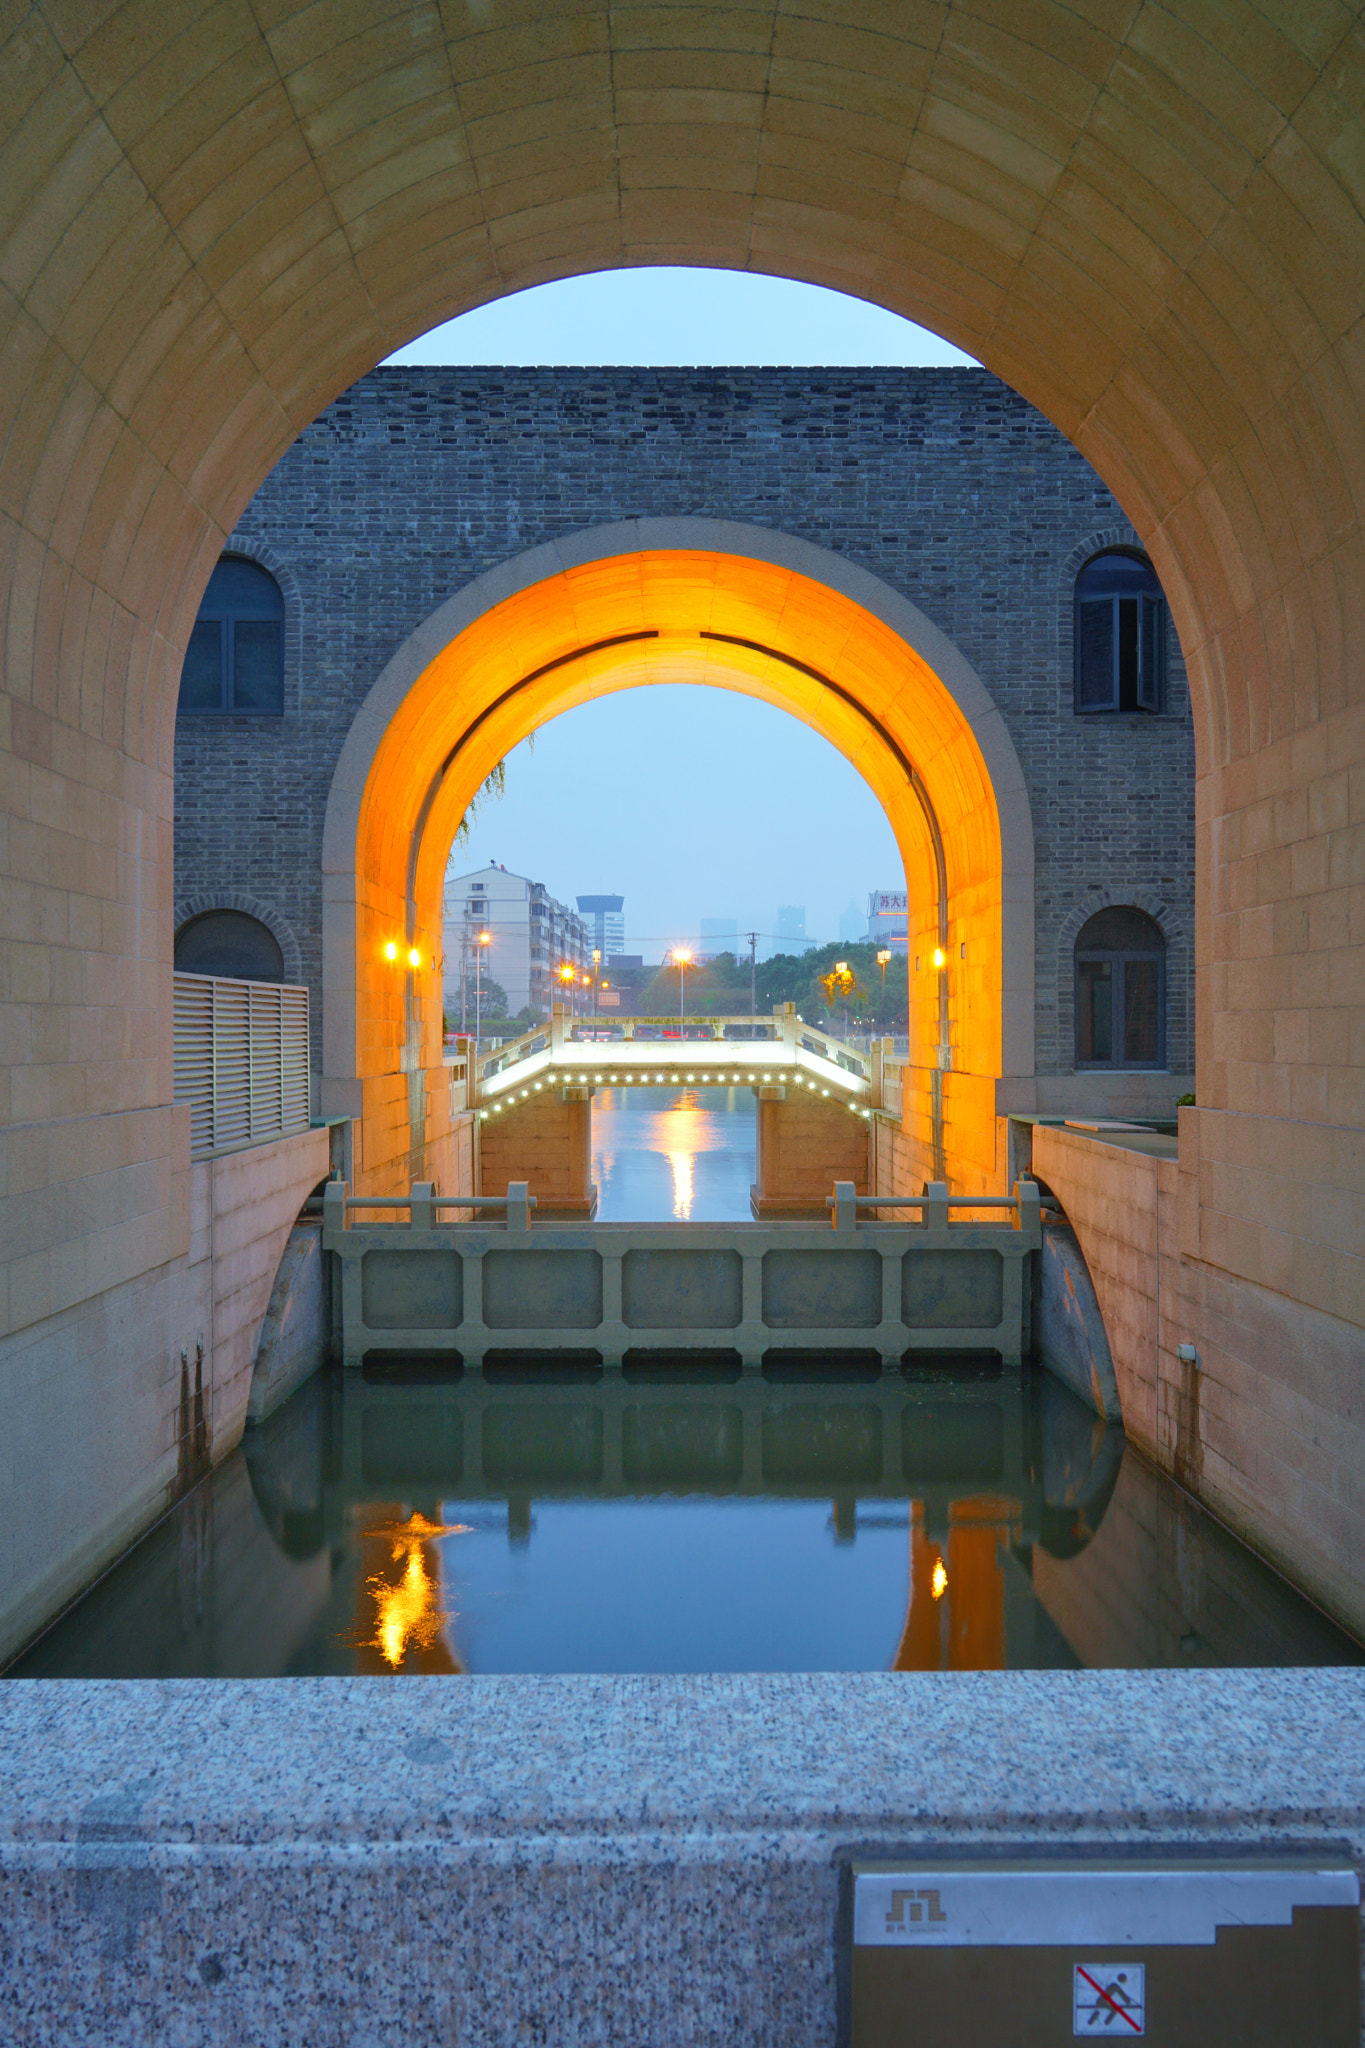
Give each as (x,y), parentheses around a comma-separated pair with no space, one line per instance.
(605,920)
(790,936)
(852,923)
(888,919)
(718,935)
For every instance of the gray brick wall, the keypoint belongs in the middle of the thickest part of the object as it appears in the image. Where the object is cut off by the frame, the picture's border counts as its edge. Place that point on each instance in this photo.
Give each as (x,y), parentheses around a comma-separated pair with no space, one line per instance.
(944,483)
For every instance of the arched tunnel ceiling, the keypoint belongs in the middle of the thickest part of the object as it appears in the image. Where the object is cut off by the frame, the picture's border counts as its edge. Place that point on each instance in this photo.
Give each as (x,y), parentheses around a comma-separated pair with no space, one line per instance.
(1145,217)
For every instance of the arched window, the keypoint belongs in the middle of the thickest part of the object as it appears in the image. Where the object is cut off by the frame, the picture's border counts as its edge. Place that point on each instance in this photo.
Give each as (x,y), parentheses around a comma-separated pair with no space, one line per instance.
(1120,634)
(235,659)
(229,943)
(1121,991)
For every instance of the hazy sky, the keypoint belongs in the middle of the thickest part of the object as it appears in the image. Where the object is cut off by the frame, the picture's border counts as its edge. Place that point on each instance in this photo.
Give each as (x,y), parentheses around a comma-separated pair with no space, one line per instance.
(689,802)
(679,316)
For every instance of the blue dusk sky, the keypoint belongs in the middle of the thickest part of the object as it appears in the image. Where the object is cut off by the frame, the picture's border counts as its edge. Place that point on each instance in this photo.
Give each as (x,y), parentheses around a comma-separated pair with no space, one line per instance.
(690,803)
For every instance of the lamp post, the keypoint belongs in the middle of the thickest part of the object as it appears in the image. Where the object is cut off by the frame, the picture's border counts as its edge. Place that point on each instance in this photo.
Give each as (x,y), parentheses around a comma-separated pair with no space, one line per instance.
(596,975)
(485,939)
(566,982)
(882,957)
(682,956)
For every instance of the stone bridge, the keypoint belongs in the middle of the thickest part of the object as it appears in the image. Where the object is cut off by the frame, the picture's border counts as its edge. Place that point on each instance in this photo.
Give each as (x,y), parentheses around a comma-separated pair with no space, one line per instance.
(818,1101)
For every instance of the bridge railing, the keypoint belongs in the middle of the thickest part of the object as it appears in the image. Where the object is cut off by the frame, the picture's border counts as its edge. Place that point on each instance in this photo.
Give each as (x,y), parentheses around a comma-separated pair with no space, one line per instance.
(240,1061)
(630,1041)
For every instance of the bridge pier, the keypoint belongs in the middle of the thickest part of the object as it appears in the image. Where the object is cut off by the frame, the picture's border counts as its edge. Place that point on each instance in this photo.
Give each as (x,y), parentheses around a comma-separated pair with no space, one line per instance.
(806,1140)
(545,1140)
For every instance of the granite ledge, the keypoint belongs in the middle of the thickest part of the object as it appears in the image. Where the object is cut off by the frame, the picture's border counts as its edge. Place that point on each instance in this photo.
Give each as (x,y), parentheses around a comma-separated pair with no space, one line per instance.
(576,1860)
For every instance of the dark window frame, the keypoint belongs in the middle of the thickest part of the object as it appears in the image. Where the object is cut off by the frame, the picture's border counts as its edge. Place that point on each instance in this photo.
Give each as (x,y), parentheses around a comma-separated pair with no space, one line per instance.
(1119,960)
(227,621)
(242,925)
(1125,631)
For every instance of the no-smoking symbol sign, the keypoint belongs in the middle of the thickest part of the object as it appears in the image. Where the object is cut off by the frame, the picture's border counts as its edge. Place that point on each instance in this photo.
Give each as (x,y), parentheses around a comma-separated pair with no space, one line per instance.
(1109,2001)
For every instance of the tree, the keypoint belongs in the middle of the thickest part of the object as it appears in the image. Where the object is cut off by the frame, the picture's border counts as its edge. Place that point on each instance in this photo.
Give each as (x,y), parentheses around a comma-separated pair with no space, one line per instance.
(715,987)
(809,981)
(492,1006)
(842,988)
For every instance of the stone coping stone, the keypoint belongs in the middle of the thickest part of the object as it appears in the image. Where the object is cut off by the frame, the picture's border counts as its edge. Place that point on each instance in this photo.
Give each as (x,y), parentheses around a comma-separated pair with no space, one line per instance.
(578,1859)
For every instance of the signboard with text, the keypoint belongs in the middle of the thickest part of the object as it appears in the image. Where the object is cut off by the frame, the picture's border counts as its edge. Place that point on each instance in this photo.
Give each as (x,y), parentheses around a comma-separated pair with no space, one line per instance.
(1186,1951)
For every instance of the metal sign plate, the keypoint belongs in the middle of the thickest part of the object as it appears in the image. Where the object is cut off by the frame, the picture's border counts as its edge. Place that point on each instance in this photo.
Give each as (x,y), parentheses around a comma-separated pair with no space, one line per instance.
(1184,1951)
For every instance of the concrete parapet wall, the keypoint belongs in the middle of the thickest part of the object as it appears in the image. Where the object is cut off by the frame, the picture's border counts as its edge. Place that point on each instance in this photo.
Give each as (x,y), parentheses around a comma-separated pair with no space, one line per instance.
(103,1422)
(122,1212)
(579,1860)
(1265,1424)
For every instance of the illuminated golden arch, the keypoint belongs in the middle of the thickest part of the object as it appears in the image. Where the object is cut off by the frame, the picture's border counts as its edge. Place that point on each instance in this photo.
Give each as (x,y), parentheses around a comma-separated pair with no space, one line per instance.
(697,601)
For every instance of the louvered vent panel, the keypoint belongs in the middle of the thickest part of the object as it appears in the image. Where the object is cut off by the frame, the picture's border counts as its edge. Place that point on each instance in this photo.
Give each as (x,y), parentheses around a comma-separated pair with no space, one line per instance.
(241,1061)
(294,1090)
(231,1063)
(265,1062)
(193,1030)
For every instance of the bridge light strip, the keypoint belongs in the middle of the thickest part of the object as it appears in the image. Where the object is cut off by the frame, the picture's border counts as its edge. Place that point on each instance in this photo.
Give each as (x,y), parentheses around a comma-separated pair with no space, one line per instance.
(723,1064)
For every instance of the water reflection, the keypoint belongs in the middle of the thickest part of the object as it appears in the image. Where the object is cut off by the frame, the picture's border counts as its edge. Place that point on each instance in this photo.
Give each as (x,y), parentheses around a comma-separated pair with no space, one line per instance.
(405,1623)
(673,1154)
(532,1520)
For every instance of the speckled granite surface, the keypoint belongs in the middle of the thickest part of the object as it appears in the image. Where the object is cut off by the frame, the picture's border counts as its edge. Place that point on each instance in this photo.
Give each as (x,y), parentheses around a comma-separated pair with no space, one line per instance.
(574,1860)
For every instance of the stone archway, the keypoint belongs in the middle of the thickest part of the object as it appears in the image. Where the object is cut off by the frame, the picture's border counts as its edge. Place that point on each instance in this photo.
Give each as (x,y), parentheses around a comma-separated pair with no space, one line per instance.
(680,600)
(1152,228)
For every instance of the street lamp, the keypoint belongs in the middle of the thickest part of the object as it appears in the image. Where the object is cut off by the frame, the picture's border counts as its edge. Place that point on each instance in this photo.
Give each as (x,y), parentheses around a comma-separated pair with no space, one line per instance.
(566,981)
(883,956)
(485,939)
(596,976)
(682,956)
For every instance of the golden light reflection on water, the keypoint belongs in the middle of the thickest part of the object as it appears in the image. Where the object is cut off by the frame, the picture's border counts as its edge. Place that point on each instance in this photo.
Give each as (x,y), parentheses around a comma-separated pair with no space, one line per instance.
(681,1163)
(693,1123)
(409,1616)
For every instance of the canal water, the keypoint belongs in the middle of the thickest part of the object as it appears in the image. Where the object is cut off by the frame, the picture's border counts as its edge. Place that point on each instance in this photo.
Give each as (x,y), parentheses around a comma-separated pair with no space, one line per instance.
(547,1516)
(662,1155)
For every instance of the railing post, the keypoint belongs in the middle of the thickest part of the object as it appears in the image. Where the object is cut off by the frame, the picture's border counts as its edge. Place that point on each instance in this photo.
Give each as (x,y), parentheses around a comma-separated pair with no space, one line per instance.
(421,1214)
(518,1206)
(845,1205)
(1028,1213)
(935,1211)
(334,1195)
(556,1030)
(787,1012)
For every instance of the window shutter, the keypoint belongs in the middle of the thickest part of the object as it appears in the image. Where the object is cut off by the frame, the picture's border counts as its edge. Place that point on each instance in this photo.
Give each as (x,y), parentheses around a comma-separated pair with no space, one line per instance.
(1097,682)
(1151,678)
